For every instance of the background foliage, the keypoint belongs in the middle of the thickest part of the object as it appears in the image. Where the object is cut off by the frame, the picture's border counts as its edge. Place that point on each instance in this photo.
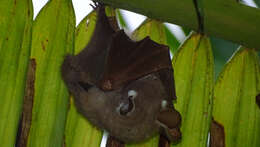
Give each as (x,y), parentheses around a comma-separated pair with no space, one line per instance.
(36,109)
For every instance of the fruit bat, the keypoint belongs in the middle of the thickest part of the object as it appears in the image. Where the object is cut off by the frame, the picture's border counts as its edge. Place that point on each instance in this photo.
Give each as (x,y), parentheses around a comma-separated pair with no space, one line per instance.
(123,86)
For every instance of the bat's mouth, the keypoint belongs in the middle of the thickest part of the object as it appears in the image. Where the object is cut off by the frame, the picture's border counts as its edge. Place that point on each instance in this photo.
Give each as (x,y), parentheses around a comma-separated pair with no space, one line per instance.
(127,108)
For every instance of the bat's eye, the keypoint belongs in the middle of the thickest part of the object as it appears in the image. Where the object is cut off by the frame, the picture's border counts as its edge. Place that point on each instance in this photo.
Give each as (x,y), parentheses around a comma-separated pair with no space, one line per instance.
(84,85)
(128,105)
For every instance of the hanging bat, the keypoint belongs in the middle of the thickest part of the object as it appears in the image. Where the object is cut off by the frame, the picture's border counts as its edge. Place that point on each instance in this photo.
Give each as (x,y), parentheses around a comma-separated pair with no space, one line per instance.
(123,86)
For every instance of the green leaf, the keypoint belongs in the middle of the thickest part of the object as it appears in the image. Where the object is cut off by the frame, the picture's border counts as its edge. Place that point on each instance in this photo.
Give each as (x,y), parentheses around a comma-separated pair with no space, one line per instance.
(158,32)
(152,142)
(121,21)
(79,132)
(172,41)
(84,32)
(235,107)
(257,3)
(152,28)
(193,73)
(222,51)
(15,40)
(186,30)
(53,38)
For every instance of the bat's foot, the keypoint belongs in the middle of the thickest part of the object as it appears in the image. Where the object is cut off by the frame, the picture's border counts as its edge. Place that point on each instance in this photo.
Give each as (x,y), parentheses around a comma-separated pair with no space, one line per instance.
(96,5)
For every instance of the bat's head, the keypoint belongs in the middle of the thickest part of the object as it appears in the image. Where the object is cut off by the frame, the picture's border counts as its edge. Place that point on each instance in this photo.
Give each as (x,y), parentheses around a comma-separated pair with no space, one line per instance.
(131,113)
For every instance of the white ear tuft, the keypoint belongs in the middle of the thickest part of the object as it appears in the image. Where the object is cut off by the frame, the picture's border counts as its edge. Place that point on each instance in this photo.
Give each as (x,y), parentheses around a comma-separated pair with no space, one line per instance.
(164,104)
(132,93)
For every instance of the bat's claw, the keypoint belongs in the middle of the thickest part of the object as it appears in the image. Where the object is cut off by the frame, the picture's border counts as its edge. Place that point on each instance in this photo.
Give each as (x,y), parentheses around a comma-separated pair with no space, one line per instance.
(174,135)
(96,5)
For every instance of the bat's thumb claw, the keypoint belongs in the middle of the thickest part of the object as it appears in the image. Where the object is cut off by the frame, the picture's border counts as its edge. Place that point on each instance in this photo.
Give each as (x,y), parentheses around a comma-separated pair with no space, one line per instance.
(174,135)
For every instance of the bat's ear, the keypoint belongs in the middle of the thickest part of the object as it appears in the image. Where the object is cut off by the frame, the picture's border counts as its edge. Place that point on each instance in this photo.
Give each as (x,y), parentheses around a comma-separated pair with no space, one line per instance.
(128,60)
